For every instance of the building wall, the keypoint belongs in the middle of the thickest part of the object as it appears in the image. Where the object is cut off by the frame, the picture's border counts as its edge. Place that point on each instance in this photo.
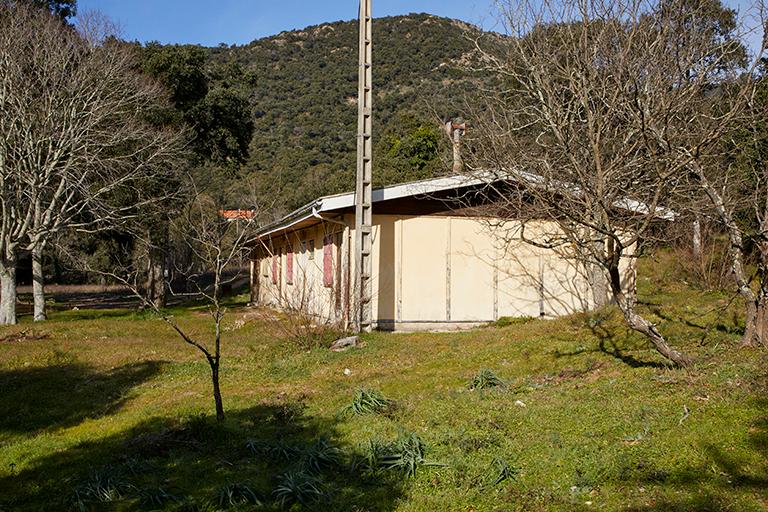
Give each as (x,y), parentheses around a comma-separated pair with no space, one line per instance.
(306,287)
(428,272)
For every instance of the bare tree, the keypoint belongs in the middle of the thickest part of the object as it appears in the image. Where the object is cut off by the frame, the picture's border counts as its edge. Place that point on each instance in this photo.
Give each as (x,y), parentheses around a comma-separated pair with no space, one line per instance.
(597,115)
(218,258)
(78,145)
(736,186)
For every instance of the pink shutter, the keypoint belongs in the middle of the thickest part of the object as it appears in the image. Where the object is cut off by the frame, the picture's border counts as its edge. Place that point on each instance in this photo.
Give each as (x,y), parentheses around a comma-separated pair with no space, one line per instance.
(274,268)
(327,261)
(289,266)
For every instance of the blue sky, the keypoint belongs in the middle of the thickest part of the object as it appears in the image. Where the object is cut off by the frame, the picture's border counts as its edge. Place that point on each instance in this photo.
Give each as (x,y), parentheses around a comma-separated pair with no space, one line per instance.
(241,21)
(210,22)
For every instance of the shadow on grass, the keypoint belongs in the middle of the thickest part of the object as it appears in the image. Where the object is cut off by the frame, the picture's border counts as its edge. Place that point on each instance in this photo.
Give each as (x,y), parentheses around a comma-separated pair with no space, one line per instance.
(59,396)
(199,464)
(721,326)
(609,343)
(609,346)
(710,485)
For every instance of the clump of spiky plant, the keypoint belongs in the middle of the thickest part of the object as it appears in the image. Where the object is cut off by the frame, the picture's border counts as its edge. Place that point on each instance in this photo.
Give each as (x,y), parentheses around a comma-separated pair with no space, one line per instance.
(299,487)
(486,379)
(504,471)
(368,401)
(104,485)
(273,450)
(404,455)
(321,455)
(238,494)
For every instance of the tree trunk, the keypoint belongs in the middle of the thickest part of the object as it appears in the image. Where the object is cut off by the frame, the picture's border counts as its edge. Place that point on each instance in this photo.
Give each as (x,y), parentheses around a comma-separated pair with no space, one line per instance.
(156,277)
(599,285)
(38,283)
(8,290)
(736,251)
(751,301)
(216,389)
(697,239)
(761,317)
(756,331)
(638,323)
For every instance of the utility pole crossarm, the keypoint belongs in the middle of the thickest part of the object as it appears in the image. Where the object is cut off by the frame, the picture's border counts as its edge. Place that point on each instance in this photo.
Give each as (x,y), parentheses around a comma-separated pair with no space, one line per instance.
(363,196)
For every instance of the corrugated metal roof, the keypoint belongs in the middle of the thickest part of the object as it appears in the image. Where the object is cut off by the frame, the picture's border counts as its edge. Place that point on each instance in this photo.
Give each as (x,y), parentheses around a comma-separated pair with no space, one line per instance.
(337,202)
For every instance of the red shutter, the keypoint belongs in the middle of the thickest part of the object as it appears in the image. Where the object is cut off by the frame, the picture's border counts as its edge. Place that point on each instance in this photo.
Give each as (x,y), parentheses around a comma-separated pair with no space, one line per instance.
(289,266)
(327,261)
(274,268)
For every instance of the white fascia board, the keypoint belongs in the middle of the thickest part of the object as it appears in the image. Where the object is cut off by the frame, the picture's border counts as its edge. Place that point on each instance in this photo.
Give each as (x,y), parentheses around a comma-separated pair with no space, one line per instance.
(341,201)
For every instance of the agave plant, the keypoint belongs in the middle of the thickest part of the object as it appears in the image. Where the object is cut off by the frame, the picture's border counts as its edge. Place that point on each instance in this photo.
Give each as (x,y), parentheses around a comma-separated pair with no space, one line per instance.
(405,455)
(298,487)
(105,485)
(504,471)
(486,379)
(321,455)
(368,401)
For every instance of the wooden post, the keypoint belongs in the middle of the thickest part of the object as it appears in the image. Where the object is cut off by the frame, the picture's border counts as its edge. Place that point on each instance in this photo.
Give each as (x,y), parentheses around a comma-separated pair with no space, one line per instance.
(363,197)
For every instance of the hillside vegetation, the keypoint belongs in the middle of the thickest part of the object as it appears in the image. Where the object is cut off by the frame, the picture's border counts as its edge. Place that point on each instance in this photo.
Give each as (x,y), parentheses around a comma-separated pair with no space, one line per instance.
(302,87)
(108,410)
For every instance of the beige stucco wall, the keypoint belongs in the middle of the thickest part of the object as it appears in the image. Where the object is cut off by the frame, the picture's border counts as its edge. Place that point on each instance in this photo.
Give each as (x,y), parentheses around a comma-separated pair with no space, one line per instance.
(430,272)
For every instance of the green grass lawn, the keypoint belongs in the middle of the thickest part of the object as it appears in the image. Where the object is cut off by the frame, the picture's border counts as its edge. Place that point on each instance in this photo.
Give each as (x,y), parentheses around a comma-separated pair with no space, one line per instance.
(109,410)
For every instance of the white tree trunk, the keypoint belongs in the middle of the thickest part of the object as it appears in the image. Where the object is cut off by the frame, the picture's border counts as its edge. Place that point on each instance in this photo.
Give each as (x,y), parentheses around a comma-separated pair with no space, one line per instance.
(38,284)
(7,291)
(697,238)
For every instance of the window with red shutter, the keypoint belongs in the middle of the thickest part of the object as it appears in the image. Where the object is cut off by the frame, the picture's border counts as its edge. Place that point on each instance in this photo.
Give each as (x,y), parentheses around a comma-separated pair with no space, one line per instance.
(328,261)
(289,266)
(274,268)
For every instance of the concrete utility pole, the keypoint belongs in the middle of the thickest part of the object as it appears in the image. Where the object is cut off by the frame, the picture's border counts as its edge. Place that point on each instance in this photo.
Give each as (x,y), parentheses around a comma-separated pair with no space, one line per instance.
(363,199)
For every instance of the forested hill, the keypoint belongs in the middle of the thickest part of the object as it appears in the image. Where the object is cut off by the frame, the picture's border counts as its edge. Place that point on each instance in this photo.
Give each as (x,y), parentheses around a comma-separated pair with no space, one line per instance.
(302,88)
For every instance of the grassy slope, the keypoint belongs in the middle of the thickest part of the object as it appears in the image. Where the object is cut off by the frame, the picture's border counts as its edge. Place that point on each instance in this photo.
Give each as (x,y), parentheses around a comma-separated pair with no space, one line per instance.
(601,427)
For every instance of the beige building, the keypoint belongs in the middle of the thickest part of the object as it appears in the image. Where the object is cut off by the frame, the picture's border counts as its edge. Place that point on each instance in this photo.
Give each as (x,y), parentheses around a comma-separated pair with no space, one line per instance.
(437,263)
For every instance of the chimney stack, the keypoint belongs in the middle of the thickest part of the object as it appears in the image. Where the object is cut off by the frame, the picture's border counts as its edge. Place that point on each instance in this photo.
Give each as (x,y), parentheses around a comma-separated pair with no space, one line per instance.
(456,131)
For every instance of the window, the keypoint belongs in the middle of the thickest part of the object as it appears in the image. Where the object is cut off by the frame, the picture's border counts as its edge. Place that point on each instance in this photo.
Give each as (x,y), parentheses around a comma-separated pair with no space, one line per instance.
(312,249)
(328,261)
